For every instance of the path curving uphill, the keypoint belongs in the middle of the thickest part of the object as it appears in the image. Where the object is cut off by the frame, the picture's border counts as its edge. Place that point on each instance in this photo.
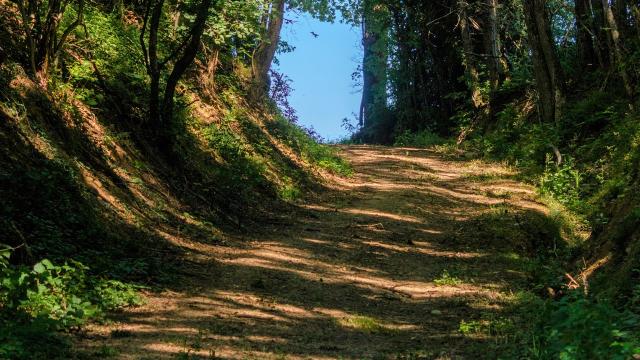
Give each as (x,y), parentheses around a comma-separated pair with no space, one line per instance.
(386,264)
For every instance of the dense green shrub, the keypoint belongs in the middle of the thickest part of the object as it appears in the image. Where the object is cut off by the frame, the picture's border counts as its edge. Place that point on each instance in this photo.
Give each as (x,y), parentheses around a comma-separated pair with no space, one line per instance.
(562,182)
(577,327)
(38,302)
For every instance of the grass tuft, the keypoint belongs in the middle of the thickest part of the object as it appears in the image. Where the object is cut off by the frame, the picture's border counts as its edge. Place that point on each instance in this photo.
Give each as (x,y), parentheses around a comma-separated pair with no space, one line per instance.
(447,279)
(363,323)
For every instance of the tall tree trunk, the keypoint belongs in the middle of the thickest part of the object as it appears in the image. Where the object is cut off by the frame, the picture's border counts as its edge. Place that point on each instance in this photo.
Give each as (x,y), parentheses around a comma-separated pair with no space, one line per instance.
(586,52)
(493,44)
(494,64)
(368,75)
(635,10)
(153,9)
(407,97)
(545,61)
(600,38)
(374,65)
(473,78)
(266,50)
(617,48)
(620,10)
(208,74)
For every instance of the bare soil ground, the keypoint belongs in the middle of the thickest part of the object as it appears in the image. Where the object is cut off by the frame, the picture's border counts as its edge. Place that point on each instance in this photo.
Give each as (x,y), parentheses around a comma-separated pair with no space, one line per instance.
(384,265)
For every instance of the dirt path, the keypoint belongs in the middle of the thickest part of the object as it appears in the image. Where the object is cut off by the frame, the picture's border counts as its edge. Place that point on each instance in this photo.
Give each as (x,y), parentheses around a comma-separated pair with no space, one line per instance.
(359,274)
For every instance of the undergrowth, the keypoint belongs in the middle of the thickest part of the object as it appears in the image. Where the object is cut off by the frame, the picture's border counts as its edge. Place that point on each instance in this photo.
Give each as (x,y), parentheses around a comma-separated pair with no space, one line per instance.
(39,303)
(297,138)
(580,165)
(577,327)
(421,139)
(574,327)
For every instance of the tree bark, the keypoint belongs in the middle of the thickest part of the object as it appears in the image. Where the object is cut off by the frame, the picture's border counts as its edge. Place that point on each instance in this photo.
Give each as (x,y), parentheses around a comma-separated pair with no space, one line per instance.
(493,44)
(545,61)
(620,10)
(186,59)
(584,42)
(153,9)
(208,74)
(41,27)
(374,64)
(473,77)
(600,39)
(635,10)
(494,63)
(159,111)
(617,48)
(266,50)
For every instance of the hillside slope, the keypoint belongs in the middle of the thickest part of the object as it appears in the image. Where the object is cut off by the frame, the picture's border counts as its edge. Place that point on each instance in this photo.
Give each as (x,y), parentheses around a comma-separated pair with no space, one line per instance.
(94,208)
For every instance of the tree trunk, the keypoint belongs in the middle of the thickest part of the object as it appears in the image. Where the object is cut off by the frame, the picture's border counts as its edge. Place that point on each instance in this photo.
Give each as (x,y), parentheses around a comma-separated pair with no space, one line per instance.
(601,40)
(188,55)
(617,48)
(545,61)
(493,45)
(494,64)
(473,79)
(266,50)
(208,74)
(620,13)
(151,18)
(41,27)
(584,42)
(369,39)
(635,10)
(374,65)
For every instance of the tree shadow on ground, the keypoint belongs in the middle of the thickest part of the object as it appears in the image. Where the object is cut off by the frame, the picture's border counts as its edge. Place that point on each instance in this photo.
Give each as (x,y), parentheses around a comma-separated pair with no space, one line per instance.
(379,268)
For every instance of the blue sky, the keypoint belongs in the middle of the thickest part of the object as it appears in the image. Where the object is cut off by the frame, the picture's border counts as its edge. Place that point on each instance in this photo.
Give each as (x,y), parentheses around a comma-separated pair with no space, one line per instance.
(321,69)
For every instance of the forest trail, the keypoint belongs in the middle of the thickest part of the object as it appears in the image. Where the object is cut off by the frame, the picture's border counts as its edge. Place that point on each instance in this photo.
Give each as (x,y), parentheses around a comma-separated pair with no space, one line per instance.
(385,265)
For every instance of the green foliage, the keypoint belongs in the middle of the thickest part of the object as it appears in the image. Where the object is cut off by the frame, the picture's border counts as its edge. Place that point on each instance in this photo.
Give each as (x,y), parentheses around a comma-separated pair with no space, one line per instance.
(49,291)
(576,327)
(517,140)
(596,142)
(241,171)
(562,182)
(319,154)
(493,326)
(45,205)
(420,139)
(328,159)
(115,295)
(236,22)
(39,301)
(115,52)
(46,201)
(290,192)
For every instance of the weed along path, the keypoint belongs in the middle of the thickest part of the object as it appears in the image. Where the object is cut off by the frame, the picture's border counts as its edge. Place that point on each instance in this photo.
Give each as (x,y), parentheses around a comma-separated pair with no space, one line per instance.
(416,256)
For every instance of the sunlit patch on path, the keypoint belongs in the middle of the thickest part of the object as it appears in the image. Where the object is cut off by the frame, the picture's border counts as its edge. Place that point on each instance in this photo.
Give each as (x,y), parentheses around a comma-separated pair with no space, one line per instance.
(385,264)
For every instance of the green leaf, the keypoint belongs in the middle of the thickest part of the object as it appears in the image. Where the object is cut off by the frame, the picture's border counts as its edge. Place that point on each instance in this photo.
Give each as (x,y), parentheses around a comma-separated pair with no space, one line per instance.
(39,268)
(42,289)
(47,264)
